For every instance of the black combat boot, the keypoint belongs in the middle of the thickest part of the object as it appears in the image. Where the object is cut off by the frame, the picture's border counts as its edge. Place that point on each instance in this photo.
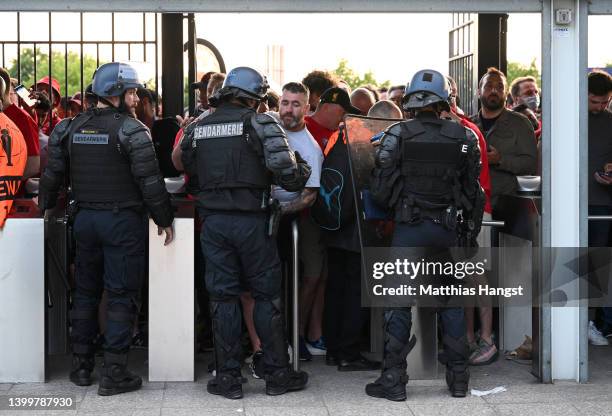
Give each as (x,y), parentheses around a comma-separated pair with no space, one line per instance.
(391,385)
(457,378)
(115,377)
(285,379)
(82,366)
(455,357)
(228,385)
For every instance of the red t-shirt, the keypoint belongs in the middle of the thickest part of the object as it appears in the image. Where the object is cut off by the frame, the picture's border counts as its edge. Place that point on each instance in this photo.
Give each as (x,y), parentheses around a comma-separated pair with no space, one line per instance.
(27,126)
(55,119)
(321,134)
(485,180)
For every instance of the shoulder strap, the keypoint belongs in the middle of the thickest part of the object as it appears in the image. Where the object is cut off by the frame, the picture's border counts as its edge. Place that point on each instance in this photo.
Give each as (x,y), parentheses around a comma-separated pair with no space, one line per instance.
(411,129)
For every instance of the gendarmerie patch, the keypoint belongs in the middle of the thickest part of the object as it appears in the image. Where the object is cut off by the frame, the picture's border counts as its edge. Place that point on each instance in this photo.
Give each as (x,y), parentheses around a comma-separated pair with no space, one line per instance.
(216,131)
(89,138)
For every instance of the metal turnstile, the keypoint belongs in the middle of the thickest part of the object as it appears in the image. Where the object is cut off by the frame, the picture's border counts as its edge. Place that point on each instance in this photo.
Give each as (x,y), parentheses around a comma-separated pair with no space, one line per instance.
(171,299)
(519,264)
(22,299)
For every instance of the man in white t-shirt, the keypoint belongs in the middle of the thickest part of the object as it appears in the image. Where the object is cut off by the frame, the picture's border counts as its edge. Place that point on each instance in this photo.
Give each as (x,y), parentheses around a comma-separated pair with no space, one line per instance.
(292,109)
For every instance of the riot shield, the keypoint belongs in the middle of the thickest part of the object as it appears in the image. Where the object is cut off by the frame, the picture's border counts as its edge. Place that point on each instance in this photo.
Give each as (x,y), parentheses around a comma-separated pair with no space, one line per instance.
(375,229)
(374,224)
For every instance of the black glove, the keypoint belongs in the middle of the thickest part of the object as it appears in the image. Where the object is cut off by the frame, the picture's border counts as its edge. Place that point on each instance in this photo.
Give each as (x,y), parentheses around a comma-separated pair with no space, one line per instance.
(304,169)
(46,200)
(42,101)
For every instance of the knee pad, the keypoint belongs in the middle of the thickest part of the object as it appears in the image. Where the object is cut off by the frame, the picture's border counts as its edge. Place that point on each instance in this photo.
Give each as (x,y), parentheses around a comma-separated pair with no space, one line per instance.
(118,312)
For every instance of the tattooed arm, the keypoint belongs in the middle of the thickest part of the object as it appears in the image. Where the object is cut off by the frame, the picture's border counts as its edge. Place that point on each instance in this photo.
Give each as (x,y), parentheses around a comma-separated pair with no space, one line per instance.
(304,200)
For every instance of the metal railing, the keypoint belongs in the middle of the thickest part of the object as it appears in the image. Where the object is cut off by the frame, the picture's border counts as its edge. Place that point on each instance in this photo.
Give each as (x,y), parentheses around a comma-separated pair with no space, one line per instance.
(295,295)
(599,217)
(66,47)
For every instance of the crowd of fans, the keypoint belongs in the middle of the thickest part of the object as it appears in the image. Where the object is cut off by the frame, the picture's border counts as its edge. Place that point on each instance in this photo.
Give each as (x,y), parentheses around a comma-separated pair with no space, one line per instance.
(312,111)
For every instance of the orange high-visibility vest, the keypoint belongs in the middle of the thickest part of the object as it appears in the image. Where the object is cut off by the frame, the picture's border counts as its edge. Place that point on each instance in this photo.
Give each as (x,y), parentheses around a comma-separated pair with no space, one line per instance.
(13,158)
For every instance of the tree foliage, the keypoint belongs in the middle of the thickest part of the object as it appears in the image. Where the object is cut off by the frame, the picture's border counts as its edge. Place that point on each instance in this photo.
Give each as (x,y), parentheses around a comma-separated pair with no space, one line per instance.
(58,69)
(352,78)
(516,70)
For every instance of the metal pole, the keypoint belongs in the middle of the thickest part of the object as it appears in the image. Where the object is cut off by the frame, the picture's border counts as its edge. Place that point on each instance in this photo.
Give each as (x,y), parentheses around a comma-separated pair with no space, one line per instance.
(599,217)
(191,53)
(296,320)
(493,224)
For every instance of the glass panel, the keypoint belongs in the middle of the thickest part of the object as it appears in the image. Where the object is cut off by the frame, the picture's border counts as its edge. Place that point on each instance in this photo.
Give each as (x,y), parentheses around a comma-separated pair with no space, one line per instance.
(9,26)
(128,26)
(65,27)
(34,26)
(150,26)
(97,27)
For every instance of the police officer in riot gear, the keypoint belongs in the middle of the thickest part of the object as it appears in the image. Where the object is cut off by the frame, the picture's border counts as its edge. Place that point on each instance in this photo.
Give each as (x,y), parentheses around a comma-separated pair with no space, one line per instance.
(236,155)
(114,177)
(426,172)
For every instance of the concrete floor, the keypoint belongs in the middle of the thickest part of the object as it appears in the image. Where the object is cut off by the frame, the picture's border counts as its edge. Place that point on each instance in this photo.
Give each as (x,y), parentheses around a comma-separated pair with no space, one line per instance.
(334,393)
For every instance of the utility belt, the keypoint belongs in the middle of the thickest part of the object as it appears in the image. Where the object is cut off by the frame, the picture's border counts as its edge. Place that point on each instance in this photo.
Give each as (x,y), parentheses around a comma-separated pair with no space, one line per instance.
(110,206)
(267,206)
(443,216)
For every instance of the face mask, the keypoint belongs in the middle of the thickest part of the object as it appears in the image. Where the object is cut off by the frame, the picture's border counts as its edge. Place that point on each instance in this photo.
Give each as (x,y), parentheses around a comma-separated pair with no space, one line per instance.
(532,102)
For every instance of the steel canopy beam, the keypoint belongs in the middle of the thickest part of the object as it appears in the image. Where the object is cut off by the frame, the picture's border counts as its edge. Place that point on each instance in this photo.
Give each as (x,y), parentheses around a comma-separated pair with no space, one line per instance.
(268,6)
(600,7)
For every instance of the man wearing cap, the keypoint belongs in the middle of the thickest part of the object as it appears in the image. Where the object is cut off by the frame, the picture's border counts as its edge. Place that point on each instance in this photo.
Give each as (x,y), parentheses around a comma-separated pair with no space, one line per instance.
(75,105)
(47,94)
(114,176)
(334,104)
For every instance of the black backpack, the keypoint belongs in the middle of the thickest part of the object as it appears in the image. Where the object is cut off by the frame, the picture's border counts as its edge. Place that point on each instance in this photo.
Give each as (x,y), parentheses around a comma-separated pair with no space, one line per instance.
(334,207)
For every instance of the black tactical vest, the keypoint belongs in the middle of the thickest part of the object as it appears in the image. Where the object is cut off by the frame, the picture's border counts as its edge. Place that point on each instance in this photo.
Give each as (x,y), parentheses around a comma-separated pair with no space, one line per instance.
(433,154)
(231,170)
(99,168)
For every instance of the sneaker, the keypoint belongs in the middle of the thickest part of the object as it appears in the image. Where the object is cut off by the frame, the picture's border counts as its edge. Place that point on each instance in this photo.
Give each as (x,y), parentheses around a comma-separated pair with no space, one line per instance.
(359,364)
(317,347)
(595,336)
(305,355)
(257,364)
(485,353)
(606,331)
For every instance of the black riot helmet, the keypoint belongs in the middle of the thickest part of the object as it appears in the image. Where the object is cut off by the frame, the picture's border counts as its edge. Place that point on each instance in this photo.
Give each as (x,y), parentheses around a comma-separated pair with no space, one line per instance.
(242,82)
(426,87)
(114,78)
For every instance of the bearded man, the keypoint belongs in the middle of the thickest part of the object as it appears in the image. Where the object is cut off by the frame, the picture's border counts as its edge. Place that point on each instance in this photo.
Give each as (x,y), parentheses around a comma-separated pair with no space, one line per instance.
(511,143)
